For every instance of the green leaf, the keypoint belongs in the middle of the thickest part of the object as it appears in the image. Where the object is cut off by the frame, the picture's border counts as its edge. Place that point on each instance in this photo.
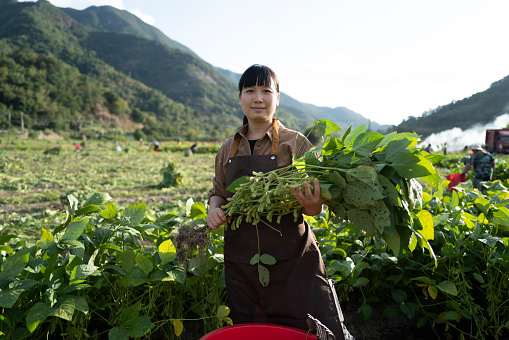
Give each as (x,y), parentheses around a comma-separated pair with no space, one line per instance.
(501,217)
(81,272)
(7,249)
(109,210)
(65,310)
(408,309)
(267,259)
(399,295)
(130,313)
(222,311)
(117,333)
(178,274)
(6,238)
(414,194)
(412,165)
(37,314)
(362,220)
(198,211)
(255,259)
(483,204)
(20,333)
(136,277)
(15,264)
(393,241)
(97,199)
(75,229)
(140,326)
(451,315)
(73,202)
(234,185)
(366,143)
(46,239)
(133,214)
(365,310)
(325,127)
(448,287)
(478,277)
(433,292)
(352,136)
(336,178)
(127,260)
(310,159)
(144,263)
(199,267)
(178,325)
(167,252)
(426,219)
(9,298)
(389,190)
(80,303)
(360,282)
(263,275)
(380,216)
(361,195)
(87,210)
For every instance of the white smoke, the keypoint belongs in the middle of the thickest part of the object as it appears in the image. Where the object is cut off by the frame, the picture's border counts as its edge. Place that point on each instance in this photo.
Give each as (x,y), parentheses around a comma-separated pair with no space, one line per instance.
(457,139)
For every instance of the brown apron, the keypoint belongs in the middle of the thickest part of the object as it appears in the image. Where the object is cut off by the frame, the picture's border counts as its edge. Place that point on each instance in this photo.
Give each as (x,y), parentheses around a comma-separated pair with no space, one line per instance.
(298,281)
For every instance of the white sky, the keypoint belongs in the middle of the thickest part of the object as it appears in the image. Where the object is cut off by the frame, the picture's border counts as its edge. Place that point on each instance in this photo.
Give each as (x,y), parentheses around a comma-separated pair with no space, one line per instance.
(385,60)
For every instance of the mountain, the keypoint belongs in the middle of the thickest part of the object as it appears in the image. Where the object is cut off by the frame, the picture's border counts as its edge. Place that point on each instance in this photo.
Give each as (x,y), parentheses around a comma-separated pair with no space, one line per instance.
(480,108)
(110,19)
(60,67)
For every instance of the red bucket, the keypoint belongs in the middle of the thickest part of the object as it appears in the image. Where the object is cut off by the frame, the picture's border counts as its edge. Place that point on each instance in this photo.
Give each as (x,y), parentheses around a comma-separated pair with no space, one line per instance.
(455,180)
(257,331)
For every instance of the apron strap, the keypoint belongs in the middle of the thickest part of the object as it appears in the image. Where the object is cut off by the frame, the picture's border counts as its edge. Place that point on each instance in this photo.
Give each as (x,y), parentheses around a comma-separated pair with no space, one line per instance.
(275,136)
(275,140)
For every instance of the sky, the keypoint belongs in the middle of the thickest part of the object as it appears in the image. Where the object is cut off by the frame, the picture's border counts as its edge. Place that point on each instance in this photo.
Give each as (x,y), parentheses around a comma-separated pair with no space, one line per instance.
(386,60)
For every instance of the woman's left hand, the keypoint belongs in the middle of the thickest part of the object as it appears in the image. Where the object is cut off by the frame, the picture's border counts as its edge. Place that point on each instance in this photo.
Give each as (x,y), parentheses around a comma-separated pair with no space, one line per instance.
(311,201)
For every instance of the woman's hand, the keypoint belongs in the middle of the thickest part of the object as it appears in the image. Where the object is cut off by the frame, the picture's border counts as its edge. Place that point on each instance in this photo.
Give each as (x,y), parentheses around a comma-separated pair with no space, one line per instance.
(311,201)
(216,218)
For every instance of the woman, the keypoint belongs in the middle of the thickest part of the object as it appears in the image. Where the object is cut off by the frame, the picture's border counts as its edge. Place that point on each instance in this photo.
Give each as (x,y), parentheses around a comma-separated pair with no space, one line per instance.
(298,282)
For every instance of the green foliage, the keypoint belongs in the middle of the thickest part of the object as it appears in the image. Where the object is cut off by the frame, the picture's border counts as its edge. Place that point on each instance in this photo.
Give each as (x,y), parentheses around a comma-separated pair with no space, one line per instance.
(107,270)
(172,175)
(464,294)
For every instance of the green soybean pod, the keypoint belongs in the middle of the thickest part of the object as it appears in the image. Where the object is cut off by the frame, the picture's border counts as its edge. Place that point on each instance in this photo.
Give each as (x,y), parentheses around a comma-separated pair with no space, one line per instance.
(269,215)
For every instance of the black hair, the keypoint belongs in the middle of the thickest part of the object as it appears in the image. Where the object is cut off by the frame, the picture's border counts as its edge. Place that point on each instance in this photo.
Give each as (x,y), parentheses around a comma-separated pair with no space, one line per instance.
(258,75)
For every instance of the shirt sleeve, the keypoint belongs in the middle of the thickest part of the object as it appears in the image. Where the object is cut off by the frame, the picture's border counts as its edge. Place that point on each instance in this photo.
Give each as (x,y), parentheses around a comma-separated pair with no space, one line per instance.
(219,180)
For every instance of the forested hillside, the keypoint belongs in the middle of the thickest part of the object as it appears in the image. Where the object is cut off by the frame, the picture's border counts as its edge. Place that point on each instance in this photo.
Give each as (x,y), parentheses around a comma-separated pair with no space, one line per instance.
(104,69)
(480,108)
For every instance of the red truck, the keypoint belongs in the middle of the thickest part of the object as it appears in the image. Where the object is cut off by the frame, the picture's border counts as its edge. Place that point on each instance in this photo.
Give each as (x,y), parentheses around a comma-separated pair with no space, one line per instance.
(497,141)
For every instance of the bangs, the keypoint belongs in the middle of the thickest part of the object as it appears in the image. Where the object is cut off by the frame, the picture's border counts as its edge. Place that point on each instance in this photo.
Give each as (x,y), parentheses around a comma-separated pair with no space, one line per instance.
(258,75)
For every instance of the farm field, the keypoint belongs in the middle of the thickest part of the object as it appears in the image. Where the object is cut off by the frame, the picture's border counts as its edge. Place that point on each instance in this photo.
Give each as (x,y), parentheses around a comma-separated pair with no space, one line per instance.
(35,184)
(456,287)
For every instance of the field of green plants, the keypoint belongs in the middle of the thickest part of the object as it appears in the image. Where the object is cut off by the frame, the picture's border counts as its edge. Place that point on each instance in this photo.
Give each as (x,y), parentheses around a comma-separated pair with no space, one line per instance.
(105,244)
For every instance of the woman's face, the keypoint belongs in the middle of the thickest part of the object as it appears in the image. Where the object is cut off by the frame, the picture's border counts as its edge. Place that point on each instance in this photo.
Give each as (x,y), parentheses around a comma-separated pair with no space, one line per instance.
(259,102)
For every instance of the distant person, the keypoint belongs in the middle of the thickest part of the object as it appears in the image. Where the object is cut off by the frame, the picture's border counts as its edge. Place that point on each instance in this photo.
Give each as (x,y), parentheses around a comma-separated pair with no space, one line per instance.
(83,140)
(428,148)
(155,145)
(193,148)
(483,163)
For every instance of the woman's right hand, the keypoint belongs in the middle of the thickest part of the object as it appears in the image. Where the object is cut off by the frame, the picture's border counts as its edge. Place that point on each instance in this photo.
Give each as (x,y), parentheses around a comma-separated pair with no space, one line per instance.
(216,218)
